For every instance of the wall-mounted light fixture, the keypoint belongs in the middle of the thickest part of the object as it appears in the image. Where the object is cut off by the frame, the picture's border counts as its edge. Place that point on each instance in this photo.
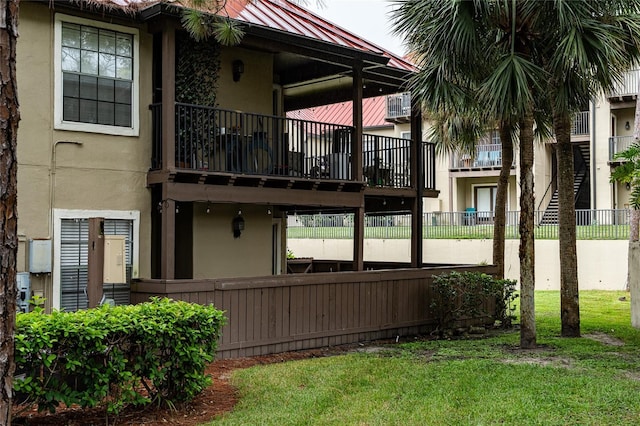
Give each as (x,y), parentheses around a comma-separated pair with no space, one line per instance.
(628,185)
(627,125)
(237,224)
(237,67)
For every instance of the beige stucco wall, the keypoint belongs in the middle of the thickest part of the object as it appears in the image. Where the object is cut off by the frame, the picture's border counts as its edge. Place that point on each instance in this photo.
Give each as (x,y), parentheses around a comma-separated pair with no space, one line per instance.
(101,172)
(253,93)
(602,265)
(601,131)
(216,253)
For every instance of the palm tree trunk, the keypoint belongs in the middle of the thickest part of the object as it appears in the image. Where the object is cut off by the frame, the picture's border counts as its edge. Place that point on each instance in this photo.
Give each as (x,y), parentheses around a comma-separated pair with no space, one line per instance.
(8,200)
(569,304)
(527,241)
(506,139)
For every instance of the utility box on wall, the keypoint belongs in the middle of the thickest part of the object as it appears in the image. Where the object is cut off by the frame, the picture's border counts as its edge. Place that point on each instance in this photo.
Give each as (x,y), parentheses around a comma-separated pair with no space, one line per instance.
(24,291)
(115,265)
(40,256)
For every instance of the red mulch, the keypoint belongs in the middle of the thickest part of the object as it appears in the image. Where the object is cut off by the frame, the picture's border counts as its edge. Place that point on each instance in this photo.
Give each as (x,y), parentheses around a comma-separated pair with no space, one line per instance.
(214,401)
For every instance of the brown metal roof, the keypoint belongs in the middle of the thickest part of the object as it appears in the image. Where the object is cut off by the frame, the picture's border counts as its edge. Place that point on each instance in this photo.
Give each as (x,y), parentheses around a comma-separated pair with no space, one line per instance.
(292,18)
(279,15)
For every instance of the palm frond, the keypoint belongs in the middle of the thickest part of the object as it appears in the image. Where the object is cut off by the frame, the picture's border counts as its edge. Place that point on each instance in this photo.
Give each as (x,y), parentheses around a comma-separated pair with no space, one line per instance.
(509,89)
(194,22)
(227,32)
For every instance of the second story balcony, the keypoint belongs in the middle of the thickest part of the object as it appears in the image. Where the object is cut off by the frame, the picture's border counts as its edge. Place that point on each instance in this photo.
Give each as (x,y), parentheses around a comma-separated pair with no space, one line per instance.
(580,124)
(222,144)
(628,88)
(486,156)
(398,108)
(618,144)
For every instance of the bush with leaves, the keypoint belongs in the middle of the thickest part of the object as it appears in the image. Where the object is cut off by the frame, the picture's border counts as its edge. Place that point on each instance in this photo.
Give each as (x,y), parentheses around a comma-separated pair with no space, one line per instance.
(123,355)
(471,296)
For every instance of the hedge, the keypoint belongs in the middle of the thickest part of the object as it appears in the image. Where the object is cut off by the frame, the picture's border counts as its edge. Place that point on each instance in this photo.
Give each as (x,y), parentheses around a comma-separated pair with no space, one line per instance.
(118,356)
(460,296)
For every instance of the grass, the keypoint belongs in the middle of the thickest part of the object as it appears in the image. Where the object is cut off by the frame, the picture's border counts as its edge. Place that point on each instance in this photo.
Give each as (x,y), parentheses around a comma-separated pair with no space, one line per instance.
(457,232)
(484,381)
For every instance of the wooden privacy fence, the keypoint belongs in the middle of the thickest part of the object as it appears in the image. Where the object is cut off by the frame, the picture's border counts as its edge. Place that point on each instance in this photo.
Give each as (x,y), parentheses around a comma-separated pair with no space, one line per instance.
(303,311)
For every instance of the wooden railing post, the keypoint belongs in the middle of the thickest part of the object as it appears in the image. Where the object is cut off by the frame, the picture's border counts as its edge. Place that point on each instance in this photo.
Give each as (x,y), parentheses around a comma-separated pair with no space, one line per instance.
(418,182)
(356,140)
(168,95)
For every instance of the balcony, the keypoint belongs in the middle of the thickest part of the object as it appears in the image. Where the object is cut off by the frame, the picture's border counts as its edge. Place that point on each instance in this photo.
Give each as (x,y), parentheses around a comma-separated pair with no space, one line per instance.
(626,89)
(223,144)
(487,156)
(580,124)
(618,144)
(398,108)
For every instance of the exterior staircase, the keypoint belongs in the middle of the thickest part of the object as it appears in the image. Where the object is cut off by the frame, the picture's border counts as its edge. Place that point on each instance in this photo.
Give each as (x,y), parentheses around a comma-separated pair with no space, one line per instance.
(581,159)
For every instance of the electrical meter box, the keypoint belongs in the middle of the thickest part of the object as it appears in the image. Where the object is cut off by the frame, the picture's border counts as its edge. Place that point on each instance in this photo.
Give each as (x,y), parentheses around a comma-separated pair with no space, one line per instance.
(24,291)
(40,256)
(115,265)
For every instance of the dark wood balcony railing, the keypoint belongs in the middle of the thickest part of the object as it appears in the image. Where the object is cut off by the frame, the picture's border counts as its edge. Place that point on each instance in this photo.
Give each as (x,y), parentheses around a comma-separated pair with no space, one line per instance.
(219,140)
(386,161)
(428,164)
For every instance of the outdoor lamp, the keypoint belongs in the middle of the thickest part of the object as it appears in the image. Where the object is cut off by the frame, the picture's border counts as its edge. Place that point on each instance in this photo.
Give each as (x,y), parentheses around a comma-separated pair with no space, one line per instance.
(238,225)
(237,67)
(627,125)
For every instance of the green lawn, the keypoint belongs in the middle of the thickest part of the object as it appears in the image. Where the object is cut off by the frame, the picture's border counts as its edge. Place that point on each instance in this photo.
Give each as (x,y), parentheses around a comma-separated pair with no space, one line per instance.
(472,382)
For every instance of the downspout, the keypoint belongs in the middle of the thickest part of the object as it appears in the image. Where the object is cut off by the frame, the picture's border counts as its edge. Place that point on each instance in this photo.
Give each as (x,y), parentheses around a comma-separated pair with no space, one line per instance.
(592,142)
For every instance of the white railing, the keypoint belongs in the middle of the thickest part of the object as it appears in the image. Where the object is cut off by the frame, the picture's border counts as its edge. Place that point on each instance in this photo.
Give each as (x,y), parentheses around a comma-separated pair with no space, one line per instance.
(580,124)
(618,144)
(470,224)
(488,155)
(629,86)
(399,105)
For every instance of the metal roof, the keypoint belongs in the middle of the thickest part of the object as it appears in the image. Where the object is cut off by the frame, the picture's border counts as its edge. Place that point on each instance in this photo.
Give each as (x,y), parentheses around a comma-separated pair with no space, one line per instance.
(373,113)
(280,15)
(292,18)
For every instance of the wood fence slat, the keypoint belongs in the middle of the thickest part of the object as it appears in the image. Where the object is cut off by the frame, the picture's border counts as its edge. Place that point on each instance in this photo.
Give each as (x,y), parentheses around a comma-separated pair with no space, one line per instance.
(286,312)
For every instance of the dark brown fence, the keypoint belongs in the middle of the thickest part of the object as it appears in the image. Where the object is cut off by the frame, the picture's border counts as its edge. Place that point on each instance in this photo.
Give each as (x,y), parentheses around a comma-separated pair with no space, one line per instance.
(303,311)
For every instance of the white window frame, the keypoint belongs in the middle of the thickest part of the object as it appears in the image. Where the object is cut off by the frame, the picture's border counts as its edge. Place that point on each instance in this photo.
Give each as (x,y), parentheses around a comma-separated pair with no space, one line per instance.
(475,186)
(405,135)
(60,214)
(59,123)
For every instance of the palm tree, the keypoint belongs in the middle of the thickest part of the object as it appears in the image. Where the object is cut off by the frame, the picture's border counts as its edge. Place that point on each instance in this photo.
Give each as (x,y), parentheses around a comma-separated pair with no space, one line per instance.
(479,51)
(585,47)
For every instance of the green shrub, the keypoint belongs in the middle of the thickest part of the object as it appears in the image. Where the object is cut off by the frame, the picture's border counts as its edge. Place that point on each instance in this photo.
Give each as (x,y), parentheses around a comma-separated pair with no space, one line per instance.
(460,296)
(136,354)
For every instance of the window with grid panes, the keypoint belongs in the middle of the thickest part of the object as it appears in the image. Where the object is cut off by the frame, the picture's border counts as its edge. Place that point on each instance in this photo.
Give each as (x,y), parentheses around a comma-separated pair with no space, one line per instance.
(97,75)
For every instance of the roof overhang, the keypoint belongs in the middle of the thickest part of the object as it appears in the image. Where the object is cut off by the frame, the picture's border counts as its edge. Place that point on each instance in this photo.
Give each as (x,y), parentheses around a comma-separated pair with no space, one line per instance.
(312,72)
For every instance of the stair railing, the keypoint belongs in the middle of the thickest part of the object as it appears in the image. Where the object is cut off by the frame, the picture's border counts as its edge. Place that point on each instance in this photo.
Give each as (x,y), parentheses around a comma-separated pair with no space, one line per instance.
(544,196)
